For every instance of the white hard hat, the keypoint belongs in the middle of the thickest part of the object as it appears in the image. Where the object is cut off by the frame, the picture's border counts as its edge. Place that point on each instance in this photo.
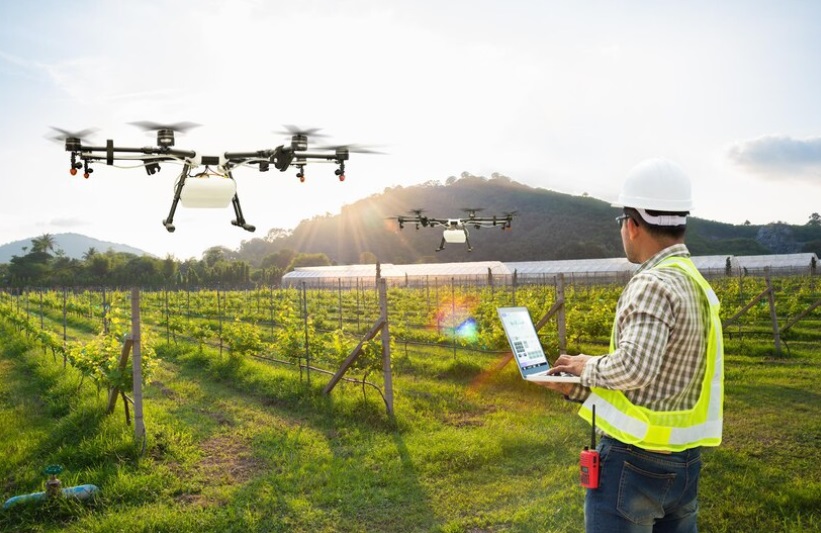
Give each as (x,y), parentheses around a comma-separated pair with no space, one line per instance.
(656,184)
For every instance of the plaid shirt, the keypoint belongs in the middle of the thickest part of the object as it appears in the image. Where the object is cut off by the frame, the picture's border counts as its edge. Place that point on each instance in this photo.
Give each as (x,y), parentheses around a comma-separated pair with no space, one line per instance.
(662,322)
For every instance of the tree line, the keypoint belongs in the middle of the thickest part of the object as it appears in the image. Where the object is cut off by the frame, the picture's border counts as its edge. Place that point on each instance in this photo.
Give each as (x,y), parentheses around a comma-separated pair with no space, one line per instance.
(45,265)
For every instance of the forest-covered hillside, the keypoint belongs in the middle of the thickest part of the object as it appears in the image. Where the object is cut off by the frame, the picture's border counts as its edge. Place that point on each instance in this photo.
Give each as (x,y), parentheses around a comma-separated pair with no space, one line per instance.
(548,225)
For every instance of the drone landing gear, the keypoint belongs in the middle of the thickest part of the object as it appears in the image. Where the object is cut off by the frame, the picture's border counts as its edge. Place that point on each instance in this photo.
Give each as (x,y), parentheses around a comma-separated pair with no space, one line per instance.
(240,220)
(169,222)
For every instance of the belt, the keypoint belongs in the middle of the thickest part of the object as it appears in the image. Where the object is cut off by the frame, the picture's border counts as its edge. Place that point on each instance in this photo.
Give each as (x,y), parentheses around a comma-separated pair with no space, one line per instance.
(663,452)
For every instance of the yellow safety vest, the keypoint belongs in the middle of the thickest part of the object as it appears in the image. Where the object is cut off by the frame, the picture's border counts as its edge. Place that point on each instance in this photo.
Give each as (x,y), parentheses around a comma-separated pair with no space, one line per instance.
(670,431)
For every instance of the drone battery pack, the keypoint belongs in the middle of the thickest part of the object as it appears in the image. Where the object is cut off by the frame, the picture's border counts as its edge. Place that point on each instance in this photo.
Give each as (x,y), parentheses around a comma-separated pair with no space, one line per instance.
(208,191)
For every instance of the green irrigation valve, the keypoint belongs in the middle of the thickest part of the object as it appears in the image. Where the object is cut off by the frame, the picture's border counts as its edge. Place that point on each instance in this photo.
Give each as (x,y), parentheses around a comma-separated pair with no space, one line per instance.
(54,489)
(53,485)
(53,470)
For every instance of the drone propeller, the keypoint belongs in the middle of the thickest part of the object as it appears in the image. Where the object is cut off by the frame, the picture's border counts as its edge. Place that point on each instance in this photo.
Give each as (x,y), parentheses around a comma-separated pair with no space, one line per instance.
(351,148)
(295,130)
(471,211)
(64,135)
(299,136)
(180,127)
(165,132)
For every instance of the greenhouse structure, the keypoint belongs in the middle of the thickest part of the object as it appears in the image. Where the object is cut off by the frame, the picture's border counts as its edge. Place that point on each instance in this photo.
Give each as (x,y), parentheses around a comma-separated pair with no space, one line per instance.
(574,271)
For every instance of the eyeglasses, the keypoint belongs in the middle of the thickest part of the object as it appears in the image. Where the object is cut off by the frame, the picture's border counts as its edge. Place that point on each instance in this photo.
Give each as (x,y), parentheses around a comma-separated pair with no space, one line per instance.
(620,219)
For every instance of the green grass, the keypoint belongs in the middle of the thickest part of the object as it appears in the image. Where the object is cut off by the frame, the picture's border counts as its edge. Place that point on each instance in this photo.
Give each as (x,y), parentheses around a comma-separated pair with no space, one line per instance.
(250,446)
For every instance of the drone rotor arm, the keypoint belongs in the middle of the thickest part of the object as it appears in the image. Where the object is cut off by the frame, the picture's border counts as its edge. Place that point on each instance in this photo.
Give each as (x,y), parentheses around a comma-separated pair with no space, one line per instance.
(89,156)
(240,156)
(111,152)
(320,157)
(261,158)
(482,222)
(433,222)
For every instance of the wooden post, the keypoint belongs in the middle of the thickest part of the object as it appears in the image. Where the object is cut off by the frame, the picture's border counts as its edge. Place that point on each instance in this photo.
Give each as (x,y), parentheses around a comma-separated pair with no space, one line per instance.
(773,315)
(515,282)
(305,322)
(65,326)
(219,317)
(386,346)
(166,314)
(453,315)
(358,310)
(105,314)
(339,282)
(560,319)
(137,374)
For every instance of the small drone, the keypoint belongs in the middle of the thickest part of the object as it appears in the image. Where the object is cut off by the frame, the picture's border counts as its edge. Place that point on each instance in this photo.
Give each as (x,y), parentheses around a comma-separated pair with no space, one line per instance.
(456,229)
(208,188)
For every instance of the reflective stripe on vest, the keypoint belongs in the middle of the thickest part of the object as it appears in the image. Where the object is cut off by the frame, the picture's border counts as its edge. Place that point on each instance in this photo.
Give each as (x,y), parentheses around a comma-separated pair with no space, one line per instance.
(701,425)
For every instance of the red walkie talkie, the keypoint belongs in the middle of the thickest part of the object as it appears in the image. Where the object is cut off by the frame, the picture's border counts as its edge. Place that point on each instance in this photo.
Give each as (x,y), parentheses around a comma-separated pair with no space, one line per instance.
(589,460)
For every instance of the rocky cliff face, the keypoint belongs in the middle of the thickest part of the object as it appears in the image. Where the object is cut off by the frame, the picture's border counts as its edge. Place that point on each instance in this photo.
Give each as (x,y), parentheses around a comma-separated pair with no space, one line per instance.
(778,238)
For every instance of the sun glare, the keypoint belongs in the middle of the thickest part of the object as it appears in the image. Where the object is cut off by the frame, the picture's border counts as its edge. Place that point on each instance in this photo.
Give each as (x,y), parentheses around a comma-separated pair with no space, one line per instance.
(455,317)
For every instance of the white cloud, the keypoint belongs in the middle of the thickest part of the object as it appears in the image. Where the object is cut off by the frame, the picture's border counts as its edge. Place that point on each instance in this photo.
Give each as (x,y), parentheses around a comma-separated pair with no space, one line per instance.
(67,222)
(780,157)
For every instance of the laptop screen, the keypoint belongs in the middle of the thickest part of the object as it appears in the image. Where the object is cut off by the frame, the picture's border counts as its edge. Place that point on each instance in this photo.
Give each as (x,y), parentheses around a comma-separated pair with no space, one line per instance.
(524,342)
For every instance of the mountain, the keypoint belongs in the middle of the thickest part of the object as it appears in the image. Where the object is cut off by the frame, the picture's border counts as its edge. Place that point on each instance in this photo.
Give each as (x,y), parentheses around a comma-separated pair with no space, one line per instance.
(73,245)
(548,226)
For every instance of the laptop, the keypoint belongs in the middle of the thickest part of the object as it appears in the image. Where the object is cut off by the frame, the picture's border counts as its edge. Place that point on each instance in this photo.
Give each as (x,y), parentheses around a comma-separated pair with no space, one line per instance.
(526,347)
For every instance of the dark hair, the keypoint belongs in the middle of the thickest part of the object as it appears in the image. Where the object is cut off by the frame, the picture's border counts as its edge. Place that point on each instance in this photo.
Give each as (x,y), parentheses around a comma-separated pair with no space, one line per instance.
(674,232)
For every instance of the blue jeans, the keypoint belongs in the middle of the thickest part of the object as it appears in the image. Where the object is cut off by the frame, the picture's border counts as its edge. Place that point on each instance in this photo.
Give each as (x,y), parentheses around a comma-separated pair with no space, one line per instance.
(643,492)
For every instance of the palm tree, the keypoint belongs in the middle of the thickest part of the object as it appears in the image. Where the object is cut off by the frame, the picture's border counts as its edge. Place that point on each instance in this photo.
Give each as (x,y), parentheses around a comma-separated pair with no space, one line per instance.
(43,243)
(91,252)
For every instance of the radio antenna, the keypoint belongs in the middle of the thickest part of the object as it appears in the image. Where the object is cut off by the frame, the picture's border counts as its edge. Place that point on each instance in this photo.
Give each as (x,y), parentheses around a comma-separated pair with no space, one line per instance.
(593,430)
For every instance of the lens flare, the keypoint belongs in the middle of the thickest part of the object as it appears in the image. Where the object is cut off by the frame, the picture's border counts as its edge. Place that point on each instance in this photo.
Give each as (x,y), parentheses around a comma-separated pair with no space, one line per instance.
(454,317)
(467,330)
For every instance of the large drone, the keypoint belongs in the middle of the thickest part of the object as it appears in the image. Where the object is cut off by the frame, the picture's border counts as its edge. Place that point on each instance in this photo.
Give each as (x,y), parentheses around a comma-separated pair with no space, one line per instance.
(456,229)
(214,186)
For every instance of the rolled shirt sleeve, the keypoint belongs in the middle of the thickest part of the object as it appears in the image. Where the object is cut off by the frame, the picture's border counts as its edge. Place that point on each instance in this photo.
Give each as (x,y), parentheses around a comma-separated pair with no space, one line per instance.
(644,321)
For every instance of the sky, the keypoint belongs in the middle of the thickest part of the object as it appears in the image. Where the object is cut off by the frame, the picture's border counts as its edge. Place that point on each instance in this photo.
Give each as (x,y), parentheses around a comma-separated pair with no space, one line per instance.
(566,96)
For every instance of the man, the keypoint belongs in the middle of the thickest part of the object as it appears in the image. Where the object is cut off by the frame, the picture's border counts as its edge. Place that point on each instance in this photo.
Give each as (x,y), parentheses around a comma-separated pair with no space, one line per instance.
(658,394)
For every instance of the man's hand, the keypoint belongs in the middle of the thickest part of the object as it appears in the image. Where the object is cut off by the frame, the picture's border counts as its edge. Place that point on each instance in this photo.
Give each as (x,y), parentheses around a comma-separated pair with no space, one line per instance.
(572,364)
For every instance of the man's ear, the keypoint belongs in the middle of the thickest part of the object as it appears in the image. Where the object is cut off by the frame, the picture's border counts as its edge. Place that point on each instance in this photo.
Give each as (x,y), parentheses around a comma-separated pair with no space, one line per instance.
(633,228)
